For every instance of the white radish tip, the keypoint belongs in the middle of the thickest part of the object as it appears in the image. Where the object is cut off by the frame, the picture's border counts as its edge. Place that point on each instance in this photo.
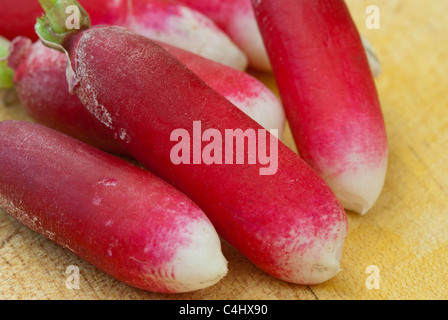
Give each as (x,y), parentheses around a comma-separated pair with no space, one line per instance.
(358,191)
(321,260)
(201,264)
(328,266)
(324,270)
(353,202)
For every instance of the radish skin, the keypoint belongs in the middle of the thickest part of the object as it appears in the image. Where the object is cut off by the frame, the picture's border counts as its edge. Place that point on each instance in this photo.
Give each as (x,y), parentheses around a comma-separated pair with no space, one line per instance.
(41,84)
(120,218)
(163,20)
(176,24)
(244,91)
(289,224)
(237,19)
(329,95)
(19,17)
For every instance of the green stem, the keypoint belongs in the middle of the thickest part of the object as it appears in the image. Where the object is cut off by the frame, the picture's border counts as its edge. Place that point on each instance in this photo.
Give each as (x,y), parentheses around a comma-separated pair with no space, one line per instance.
(6,73)
(54,28)
(47,4)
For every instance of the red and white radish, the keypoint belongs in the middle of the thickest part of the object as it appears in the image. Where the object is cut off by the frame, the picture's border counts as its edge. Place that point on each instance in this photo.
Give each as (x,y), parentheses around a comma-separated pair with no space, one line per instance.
(163,20)
(329,94)
(289,223)
(236,18)
(171,22)
(246,92)
(42,87)
(115,215)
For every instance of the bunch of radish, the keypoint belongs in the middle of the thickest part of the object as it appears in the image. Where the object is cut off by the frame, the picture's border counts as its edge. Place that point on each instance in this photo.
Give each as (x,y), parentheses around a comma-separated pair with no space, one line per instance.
(41,84)
(164,20)
(129,77)
(223,31)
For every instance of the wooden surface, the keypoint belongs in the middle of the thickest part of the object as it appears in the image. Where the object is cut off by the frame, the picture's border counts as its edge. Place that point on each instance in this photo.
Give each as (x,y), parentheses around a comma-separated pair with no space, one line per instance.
(406,234)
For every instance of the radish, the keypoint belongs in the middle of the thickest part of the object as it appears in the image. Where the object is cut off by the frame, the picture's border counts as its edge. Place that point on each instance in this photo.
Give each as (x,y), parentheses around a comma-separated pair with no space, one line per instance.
(244,91)
(43,91)
(237,19)
(18,17)
(176,24)
(163,20)
(329,95)
(117,216)
(288,222)
(41,85)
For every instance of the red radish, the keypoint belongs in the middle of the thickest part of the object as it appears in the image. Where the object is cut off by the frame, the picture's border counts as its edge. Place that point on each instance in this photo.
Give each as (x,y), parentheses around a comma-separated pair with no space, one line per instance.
(237,19)
(329,94)
(41,84)
(176,24)
(163,20)
(244,91)
(19,16)
(120,218)
(288,223)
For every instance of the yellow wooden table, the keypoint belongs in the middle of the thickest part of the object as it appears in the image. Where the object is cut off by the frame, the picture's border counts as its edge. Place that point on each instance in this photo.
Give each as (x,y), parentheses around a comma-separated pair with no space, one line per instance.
(405,236)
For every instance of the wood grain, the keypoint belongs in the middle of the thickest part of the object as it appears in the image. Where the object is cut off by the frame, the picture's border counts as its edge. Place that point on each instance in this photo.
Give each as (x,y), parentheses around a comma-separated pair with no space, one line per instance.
(405,235)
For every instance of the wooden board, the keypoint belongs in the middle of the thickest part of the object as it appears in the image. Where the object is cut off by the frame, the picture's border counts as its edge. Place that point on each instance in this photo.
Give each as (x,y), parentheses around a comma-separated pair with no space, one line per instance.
(406,234)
